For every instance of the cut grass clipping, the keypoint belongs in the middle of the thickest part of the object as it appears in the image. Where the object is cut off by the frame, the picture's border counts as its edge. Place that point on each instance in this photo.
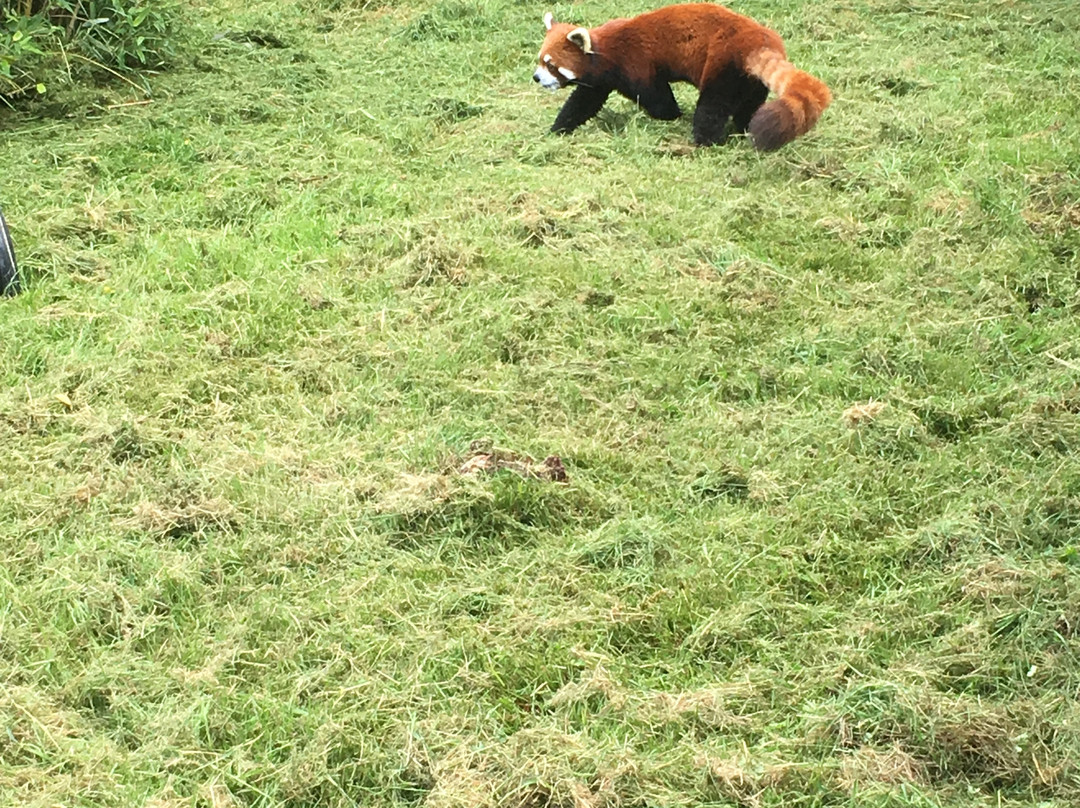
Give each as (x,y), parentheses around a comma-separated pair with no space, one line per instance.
(363,445)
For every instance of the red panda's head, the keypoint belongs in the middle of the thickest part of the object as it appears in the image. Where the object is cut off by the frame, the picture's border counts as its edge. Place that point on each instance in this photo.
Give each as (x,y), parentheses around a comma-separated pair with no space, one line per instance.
(564,56)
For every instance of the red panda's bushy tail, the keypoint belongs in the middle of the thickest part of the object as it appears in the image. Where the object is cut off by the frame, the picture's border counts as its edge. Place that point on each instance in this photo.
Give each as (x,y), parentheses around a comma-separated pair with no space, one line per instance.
(800,100)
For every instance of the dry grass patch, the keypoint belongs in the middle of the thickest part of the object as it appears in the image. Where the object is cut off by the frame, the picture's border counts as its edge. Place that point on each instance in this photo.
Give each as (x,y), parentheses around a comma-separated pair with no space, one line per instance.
(188,520)
(868,766)
(862,414)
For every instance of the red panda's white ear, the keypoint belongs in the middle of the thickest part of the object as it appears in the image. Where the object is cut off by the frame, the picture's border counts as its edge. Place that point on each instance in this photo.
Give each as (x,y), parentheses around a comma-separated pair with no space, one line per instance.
(548,20)
(581,38)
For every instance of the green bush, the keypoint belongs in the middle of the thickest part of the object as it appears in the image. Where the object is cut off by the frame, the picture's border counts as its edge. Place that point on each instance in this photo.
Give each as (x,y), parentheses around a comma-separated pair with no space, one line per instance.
(41,40)
(24,45)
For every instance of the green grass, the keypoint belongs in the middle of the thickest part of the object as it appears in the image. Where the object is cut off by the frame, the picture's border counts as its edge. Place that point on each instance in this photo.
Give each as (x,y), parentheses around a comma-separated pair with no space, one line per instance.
(268,313)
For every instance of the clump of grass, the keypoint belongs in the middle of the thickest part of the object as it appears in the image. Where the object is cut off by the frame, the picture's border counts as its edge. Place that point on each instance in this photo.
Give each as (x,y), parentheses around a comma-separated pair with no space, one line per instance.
(482,507)
(449,20)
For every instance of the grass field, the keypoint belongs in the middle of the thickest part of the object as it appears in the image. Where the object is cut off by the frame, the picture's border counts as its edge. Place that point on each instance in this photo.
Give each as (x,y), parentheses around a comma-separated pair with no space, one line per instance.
(819,411)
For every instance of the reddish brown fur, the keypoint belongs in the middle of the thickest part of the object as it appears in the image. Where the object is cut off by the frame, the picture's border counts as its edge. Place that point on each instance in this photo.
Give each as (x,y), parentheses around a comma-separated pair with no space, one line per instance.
(727,56)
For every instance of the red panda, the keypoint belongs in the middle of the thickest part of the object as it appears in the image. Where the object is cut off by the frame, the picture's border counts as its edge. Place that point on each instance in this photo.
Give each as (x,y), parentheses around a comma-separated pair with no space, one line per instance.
(732,60)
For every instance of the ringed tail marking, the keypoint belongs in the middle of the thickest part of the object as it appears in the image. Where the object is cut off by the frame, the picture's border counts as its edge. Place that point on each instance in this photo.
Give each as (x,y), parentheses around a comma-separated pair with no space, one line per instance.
(800,100)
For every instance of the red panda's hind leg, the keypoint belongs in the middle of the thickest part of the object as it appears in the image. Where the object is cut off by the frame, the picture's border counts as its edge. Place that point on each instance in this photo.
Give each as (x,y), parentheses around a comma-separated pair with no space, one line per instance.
(726,93)
(753,96)
(714,109)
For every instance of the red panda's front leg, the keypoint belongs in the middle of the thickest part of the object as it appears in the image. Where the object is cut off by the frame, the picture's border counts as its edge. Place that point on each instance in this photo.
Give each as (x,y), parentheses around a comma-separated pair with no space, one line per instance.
(658,100)
(582,105)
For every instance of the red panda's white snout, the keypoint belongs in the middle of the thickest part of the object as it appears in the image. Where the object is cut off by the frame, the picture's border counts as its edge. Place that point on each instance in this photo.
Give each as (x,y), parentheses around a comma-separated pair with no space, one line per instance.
(547,80)
(551,77)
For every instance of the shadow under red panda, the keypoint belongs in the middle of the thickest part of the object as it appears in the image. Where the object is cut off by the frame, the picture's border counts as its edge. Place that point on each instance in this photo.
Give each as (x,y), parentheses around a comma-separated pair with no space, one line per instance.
(732,60)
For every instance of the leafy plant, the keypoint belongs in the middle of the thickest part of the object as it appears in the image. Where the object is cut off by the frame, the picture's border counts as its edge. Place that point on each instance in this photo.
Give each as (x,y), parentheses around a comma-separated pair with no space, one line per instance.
(121,33)
(24,49)
(44,39)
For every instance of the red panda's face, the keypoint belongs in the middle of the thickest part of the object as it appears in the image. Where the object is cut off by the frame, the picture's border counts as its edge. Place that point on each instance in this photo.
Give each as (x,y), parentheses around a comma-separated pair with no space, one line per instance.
(563,56)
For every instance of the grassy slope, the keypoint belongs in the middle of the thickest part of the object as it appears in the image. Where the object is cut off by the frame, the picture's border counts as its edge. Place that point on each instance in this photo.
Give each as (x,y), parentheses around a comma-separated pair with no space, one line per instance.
(268,311)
